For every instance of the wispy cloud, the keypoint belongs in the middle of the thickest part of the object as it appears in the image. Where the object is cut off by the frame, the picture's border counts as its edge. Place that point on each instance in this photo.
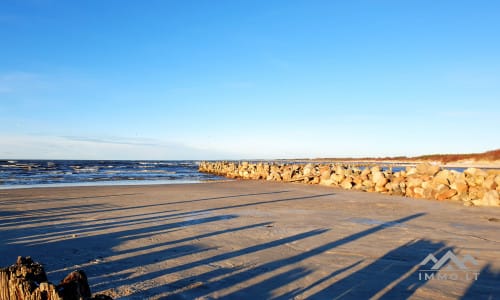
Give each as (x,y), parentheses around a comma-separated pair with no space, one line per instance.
(115,140)
(82,147)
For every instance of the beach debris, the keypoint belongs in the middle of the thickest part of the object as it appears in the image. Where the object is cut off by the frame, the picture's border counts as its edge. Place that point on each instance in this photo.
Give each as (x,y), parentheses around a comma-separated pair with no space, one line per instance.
(26,279)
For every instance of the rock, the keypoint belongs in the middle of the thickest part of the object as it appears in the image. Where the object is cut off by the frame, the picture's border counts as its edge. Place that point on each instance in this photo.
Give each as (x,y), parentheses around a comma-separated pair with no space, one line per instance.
(418,192)
(357,182)
(308,169)
(346,184)
(475,193)
(395,188)
(475,172)
(28,280)
(414,181)
(460,186)
(326,182)
(428,189)
(337,178)
(490,198)
(325,172)
(378,178)
(443,177)
(422,181)
(411,171)
(489,183)
(368,183)
(286,175)
(340,170)
(427,169)
(381,189)
(75,286)
(445,194)
(364,174)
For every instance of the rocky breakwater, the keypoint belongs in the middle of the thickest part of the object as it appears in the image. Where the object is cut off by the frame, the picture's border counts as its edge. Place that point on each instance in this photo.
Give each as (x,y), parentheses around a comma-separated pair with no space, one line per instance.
(472,187)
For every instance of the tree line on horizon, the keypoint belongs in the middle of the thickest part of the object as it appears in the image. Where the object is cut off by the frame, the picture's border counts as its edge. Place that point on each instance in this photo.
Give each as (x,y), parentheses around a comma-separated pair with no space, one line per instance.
(445,158)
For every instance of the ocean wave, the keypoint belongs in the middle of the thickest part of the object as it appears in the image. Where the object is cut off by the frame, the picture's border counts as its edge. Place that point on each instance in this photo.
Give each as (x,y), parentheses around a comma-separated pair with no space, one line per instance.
(40,172)
(86,169)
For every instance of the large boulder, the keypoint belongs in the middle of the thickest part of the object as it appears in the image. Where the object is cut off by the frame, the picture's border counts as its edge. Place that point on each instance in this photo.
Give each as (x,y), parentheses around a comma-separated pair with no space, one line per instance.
(427,169)
(340,170)
(378,178)
(308,169)
(489,183)
(365,173)
(443,177)
(460,186)
(475,172)
(325,172)
(490,198)
(346,184)
(337,178)
(414,181)
(444,192)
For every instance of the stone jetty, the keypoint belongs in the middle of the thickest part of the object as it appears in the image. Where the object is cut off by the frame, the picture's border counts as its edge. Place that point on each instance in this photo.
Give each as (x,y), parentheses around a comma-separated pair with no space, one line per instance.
(472,187)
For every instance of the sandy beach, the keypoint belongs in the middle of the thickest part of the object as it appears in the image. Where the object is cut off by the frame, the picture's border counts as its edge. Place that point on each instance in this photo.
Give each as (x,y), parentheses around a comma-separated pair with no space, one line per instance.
(252,240)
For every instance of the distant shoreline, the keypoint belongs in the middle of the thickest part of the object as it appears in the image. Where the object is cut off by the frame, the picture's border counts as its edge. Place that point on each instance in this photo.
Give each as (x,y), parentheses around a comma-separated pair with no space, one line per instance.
(488,159)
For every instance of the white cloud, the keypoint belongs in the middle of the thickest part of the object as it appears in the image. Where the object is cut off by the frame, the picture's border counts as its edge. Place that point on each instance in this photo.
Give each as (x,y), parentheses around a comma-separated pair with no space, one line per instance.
(115,140)
(74,147)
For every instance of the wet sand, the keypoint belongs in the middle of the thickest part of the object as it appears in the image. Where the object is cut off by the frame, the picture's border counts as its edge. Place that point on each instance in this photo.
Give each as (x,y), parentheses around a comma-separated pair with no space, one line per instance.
(252,240)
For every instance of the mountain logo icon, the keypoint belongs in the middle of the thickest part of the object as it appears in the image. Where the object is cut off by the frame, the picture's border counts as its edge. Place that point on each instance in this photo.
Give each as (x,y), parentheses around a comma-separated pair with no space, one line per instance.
(451,258)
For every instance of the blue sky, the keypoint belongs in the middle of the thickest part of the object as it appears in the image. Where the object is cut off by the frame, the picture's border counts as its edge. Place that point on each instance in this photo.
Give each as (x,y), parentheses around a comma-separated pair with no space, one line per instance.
(247,79)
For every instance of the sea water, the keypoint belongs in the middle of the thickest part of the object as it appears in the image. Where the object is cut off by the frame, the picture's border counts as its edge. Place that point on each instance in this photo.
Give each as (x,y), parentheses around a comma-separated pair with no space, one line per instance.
(41,173)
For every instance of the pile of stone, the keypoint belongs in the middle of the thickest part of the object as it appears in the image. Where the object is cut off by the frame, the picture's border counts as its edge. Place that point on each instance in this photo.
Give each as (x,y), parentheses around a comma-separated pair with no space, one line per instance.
(471,187)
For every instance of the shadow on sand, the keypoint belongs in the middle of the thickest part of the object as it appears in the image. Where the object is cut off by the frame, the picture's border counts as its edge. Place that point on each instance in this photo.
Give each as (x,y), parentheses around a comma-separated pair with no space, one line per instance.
(392,276)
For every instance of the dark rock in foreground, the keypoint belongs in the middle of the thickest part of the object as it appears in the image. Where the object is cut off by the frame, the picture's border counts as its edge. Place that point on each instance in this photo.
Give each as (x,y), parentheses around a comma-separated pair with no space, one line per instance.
(26,279)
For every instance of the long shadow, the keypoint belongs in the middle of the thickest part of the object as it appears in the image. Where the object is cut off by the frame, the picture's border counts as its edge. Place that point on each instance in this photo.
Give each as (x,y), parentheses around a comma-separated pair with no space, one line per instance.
(222,257)
(487,285)
(316,251)
(87,226)
(81,249)
(16,201)
(393,276)
(52,210)
(262,288)
(198,237)
(292,294)
(259,203)
(227,197)
(68,247)
(149,230)
(240,277)
(50,228)
(266,287)
(208,210)
(26,217)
